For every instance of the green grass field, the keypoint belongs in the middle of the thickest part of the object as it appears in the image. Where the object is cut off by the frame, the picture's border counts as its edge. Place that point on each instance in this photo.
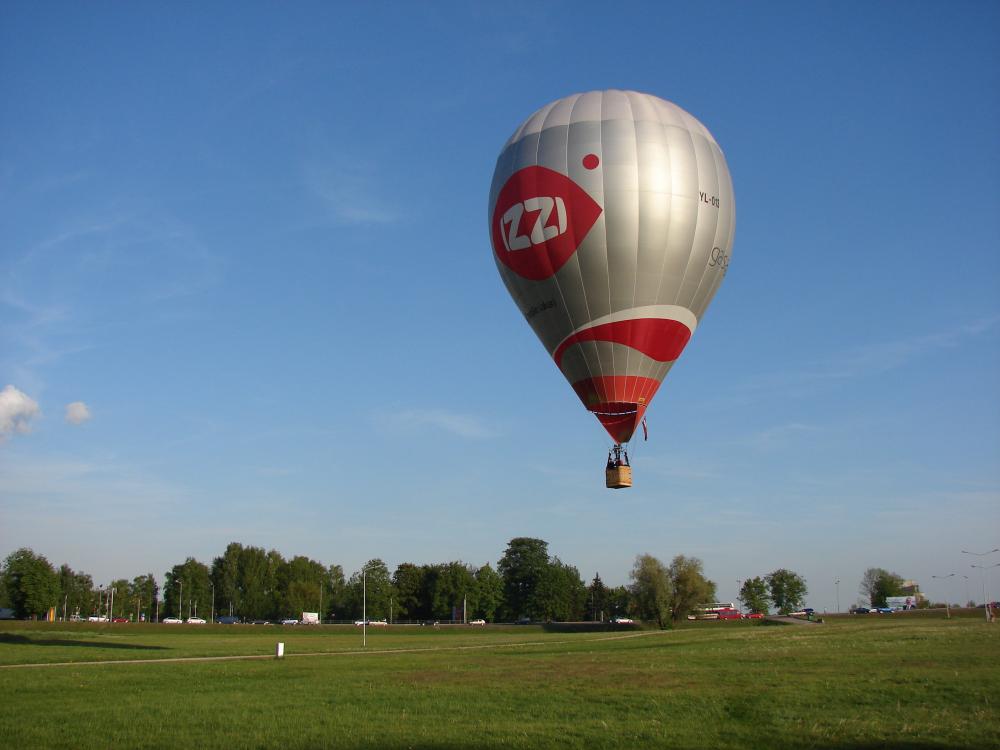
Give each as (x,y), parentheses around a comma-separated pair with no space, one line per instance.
(899,681)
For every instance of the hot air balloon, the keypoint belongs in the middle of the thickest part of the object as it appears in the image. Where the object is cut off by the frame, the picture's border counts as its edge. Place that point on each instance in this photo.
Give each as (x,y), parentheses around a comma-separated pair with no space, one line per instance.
(611,220)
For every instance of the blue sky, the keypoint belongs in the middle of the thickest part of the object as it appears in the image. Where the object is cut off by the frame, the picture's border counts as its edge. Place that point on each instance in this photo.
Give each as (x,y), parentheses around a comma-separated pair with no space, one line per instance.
(250,244)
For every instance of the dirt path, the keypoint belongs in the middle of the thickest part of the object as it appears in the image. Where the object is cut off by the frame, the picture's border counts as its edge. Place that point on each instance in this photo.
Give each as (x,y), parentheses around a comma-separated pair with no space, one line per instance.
(358,652)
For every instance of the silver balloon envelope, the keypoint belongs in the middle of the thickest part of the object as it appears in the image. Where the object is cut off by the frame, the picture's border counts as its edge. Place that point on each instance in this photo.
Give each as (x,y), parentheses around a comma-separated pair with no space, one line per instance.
(611,220)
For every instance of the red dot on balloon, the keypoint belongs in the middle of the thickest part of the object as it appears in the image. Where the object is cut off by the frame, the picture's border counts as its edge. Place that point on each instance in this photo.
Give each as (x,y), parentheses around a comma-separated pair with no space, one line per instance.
(590,161)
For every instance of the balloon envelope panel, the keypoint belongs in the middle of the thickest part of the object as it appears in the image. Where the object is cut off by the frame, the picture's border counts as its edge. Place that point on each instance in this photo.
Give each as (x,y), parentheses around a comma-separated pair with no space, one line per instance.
(612,219)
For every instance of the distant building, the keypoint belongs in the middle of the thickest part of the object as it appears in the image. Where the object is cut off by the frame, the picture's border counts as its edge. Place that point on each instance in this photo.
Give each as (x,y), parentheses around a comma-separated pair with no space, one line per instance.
(912,588)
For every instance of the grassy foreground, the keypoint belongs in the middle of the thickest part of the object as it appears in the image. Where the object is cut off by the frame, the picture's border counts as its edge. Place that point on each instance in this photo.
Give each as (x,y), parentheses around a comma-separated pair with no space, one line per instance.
(853,682)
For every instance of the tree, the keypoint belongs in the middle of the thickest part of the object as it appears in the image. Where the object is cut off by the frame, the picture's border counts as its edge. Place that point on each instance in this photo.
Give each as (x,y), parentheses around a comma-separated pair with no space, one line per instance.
(374,579)
(143,593)
(489,596)
(31,584)
(252,597)
(300,582)
(651,589)
(788,590)
(689,586)
(620,601)
(754,595)
(597,597)
(408,580)
(119,602)
(77,591)
(522,566)
(187,590)
(226,577)
(560,594)
(335,592)
(448,587)
(879,583)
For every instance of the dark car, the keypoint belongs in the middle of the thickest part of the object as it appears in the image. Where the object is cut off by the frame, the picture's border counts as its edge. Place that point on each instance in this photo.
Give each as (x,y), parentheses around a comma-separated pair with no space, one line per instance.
(227,620)
(860,611)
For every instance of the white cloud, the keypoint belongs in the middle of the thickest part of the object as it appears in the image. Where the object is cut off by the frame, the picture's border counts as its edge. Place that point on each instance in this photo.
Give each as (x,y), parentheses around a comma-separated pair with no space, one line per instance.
(17,409)
(77,412)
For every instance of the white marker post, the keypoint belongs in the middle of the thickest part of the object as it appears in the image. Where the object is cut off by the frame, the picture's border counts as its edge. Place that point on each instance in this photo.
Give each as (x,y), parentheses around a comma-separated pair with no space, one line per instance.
(279,651)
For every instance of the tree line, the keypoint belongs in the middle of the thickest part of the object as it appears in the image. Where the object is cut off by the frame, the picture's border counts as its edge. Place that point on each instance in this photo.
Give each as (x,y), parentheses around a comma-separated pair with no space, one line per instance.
(251,583)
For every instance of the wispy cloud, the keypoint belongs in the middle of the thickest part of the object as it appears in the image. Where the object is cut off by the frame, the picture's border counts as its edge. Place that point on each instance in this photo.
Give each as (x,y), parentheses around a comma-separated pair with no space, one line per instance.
(413,421)
(351,192)
(875,359)
(867,361)
(57,288)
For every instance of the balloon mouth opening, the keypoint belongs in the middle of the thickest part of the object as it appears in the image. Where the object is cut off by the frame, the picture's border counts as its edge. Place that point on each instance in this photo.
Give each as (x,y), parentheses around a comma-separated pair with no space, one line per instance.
(619,419)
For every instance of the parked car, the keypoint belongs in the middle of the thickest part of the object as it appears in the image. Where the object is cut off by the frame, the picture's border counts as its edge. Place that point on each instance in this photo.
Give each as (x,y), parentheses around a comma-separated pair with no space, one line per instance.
(477,622)
(371,623)
(289,622)
(729,614)
(227,620)
(172,621)
(860,611)
(121,619)
(885,610)
(97,618)
(195,621)
(260,622)
(753,616)
(622,621)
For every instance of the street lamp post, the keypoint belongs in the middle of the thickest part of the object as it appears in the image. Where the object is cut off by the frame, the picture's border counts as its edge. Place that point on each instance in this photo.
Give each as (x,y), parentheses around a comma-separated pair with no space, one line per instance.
(986,609)
(837,584)
(180,601)
(986,602)
(947,608)
(966,587)
(212,584)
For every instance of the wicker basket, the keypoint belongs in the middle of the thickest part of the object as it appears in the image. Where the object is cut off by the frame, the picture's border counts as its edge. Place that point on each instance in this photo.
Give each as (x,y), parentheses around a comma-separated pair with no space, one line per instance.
(619,477)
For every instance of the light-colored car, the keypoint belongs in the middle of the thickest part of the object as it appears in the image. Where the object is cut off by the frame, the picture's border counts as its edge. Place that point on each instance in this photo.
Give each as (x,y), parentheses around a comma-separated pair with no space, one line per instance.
(97,618)
(477,622)
(195,621)
(623,621)
(289,622)
(172,621)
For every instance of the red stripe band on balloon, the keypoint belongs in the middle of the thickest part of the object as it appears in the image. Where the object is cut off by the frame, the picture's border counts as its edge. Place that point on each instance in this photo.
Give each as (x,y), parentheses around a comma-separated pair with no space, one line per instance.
(661,339)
